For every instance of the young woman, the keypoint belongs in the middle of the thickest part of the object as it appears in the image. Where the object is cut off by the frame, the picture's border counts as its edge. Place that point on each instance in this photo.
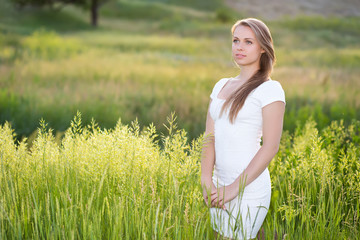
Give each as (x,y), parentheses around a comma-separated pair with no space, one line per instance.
(234,175)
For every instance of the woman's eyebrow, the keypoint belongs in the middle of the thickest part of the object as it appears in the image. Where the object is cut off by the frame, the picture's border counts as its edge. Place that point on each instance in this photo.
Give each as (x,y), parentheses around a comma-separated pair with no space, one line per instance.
(244,38)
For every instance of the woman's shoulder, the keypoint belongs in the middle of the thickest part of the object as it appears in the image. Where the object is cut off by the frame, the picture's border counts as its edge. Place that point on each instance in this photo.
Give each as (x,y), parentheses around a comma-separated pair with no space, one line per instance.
(269,84)
(268,87)
(269,91)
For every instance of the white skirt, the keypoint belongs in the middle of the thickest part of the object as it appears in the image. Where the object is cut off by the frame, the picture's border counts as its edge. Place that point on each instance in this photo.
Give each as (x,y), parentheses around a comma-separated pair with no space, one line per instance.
(245,214)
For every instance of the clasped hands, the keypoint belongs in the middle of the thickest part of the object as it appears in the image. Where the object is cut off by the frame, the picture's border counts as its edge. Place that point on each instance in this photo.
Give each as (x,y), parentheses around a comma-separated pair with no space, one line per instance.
(217,197)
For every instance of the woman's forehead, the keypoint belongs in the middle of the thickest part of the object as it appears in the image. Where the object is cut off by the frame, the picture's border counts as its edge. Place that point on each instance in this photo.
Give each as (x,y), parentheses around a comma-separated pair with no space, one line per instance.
(243,32)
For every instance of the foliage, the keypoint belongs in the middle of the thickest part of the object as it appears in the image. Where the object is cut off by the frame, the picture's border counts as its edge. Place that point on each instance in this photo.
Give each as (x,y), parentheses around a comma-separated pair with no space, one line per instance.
(51,3)
(226,15)
(91,5)
(121,178)
(316,183)
(100,178)
(49,45)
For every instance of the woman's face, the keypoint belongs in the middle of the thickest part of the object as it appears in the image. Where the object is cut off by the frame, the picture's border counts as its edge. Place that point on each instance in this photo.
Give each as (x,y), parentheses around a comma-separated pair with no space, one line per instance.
(246,49)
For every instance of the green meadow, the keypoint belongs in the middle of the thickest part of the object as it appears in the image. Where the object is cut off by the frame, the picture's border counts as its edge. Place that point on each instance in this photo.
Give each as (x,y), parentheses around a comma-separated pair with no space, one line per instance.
(126,169)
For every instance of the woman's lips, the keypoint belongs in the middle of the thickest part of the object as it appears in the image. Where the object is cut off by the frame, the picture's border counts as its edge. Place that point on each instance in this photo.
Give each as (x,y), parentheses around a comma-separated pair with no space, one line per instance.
(240,55)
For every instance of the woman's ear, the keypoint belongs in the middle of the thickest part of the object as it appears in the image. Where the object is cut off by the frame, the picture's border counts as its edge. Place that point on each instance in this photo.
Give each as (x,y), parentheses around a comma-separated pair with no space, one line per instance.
(262,50)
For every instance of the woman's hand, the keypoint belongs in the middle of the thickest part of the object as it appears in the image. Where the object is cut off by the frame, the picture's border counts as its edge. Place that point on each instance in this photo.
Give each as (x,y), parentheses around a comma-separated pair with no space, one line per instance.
(222,195)
(207,190)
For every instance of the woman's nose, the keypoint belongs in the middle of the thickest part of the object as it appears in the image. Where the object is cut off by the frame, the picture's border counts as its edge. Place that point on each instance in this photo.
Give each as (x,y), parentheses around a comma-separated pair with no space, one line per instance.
(240,46)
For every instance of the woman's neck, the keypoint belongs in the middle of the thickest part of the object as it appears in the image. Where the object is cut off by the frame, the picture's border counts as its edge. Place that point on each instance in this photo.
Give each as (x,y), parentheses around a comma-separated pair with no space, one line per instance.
(246,73)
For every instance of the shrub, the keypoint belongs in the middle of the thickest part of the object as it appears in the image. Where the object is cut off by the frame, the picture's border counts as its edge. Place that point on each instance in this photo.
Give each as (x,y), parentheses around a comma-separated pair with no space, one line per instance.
(48,45)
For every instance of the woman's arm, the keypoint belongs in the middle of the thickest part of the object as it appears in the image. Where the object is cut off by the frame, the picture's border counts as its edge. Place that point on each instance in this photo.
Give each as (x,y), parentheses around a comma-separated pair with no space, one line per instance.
(208,158)
(273,115)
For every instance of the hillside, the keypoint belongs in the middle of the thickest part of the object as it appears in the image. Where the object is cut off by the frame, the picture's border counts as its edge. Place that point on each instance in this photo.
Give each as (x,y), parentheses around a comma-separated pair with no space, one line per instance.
(276,9)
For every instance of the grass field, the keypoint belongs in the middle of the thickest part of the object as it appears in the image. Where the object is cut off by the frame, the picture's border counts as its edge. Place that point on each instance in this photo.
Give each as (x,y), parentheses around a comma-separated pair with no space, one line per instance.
(74,184)
(148,68)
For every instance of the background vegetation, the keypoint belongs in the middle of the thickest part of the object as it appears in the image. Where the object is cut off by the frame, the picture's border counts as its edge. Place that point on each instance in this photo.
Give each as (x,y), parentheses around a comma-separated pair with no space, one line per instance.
(145,60)
(167,59)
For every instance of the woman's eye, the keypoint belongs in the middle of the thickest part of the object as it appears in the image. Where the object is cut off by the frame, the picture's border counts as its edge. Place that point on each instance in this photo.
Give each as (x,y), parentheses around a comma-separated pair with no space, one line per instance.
(248,42)
(235,41)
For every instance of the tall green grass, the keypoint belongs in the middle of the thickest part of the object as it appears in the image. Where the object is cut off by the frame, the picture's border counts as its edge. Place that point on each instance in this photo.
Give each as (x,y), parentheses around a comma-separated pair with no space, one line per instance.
(119,184)
(316,192)
(101,184)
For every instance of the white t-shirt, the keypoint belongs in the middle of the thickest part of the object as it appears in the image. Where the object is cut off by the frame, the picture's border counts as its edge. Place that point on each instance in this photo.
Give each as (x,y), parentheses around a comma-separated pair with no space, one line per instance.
(237,143)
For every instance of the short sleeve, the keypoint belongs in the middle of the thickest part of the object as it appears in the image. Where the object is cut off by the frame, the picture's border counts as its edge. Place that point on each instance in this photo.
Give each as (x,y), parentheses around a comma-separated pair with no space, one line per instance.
(271,91)
(213,95)
(217,88)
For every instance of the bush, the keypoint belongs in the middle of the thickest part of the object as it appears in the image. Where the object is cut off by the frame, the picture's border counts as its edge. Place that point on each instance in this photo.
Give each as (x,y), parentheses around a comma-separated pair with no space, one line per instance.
(49,45)
(226,15)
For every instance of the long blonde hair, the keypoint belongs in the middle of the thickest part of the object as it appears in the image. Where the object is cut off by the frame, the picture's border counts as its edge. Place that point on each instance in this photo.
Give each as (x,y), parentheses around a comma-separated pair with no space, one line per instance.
(262,33)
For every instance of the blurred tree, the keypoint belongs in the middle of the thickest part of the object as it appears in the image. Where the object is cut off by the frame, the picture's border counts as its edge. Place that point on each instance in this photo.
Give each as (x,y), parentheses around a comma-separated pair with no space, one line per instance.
(91,5)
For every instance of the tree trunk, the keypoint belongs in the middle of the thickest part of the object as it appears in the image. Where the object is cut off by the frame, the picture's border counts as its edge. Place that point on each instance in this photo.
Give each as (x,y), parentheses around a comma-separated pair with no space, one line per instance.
(94,12)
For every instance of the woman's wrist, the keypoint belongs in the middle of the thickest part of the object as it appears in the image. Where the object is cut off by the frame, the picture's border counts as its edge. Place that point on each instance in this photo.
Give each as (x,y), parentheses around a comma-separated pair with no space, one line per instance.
(235,186)
(206,180)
